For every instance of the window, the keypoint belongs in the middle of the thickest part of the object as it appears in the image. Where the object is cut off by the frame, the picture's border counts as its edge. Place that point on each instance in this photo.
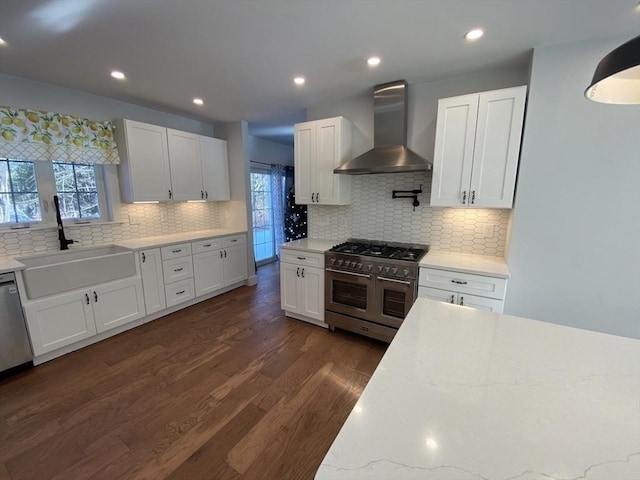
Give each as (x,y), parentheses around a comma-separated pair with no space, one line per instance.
(263,233)
(77,190)
(19,199)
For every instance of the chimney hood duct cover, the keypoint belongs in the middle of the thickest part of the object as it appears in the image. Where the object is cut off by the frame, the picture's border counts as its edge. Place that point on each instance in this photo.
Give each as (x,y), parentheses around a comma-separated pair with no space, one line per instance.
(390,153)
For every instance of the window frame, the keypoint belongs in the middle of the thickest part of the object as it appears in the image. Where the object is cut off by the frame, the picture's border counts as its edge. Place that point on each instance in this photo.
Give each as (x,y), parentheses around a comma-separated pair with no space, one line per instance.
(12,193)
(46,184)
(102,202)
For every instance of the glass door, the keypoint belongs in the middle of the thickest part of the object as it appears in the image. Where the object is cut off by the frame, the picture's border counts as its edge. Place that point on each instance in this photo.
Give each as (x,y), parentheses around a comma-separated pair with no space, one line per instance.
(262,207)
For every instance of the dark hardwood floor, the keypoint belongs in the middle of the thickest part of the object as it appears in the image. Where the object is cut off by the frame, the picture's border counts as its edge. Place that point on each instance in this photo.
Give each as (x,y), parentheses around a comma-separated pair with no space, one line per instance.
(226,389)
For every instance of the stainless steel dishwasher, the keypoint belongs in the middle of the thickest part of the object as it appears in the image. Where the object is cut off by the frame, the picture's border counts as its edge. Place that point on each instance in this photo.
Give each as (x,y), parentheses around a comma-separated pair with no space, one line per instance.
(15,350)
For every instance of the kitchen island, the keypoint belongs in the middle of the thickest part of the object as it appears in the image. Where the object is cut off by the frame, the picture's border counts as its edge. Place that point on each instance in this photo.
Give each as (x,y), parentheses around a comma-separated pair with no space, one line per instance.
(465,394)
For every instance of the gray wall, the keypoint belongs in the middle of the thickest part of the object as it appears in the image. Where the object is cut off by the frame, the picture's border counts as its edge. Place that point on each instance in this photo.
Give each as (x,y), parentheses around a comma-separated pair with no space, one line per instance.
(265,151)
(22,93)
(575,245)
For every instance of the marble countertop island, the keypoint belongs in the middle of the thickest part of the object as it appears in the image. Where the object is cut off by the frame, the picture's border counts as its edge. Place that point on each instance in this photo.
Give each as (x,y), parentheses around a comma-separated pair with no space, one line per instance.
(464,394)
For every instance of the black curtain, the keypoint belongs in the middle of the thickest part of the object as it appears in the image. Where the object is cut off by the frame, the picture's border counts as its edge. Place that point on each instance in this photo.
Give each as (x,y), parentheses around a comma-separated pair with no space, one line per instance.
(295,217)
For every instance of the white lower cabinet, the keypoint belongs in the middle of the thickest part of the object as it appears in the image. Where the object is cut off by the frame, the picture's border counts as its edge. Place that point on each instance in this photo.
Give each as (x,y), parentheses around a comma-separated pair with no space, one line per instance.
(208,272)
(62,320)
(152,280)
(219,263)
(178,292)
(301,285)
(235,264)
(469,290)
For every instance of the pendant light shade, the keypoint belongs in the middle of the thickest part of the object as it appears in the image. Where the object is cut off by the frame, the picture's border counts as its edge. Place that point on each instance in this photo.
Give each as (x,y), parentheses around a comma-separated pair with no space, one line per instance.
(617,76)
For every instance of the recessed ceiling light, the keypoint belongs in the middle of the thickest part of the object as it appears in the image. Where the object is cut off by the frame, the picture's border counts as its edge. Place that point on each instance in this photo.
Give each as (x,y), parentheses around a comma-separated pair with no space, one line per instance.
(198,101)
(474,34)
(299,81)
(2,42)
(118,75)
(373,61)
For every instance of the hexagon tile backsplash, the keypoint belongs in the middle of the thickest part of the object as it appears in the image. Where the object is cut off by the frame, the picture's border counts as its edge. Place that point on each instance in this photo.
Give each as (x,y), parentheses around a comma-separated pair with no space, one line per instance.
(140,220)
(374,215)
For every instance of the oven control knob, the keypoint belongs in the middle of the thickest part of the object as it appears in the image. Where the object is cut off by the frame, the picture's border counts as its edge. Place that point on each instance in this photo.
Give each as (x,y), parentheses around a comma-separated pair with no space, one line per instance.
(379,268)
(340,262)
(359,266)
(369,266)
(394,270)
(386,269)
(353,264)
(332,261)
(405,272)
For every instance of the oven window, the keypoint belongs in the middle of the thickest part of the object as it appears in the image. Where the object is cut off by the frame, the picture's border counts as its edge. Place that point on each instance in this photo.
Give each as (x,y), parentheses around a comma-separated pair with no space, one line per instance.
(393,304)
(350,294)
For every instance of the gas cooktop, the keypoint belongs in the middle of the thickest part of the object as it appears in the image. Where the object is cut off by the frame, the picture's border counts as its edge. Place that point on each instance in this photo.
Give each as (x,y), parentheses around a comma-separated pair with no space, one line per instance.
(385,250)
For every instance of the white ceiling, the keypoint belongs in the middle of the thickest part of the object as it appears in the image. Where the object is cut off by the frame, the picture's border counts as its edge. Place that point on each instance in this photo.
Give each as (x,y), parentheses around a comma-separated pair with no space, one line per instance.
(240,55)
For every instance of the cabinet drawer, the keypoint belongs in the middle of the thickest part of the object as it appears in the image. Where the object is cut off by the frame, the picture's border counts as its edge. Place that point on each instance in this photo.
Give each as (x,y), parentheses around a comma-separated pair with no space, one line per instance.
(179,292)
(302,258)
(177,269)
(234,240)
(176,251)
(439,295)
(463,282)
(206,245)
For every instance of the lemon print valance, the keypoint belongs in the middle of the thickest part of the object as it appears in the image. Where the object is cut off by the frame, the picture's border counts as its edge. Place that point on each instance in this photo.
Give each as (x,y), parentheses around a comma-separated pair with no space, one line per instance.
(55,137)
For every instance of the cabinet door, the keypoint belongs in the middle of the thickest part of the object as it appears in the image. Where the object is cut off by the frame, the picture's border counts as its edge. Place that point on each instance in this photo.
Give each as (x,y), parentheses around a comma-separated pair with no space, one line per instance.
(312,292)
(305,161)
(235,264)
(453,153)
(208,272)
(482,303)
(290,284)
(186,169)
(497,147)
(328,157)
(439,295)
(59,321)
(117,303)
(152,280)
(215,169)
(146,167)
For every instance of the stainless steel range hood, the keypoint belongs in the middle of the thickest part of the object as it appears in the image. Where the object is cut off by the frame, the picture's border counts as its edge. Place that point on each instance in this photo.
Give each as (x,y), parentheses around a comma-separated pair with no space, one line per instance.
(390,153)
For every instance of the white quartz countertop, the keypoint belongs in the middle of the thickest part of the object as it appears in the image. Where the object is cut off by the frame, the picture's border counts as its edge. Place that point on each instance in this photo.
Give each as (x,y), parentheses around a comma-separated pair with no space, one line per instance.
(9,263)
(464,394)
(466,263)
(313,245)
(162,240)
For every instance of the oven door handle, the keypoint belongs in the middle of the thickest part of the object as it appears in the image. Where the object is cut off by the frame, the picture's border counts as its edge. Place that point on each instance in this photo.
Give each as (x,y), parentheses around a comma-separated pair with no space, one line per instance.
(348,273)
(385,279)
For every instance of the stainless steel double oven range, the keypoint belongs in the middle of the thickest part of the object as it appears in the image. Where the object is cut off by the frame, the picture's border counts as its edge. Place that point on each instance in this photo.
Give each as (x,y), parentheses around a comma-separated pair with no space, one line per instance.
(370,286)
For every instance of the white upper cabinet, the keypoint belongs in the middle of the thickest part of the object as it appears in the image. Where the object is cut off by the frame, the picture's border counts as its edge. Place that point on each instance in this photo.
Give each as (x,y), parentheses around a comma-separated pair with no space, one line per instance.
(215,169)
(477,148)
(144,168)
(320,146)
(184,160)
(160,164)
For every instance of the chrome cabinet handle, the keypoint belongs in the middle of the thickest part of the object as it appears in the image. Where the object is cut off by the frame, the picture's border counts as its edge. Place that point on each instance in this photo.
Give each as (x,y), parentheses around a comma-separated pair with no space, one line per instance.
(464,197)
(452,299)
(95,296)
(144,257)
(86,297)
(473,197)
(459,282)
(462,301)
(385,279)
(348,273)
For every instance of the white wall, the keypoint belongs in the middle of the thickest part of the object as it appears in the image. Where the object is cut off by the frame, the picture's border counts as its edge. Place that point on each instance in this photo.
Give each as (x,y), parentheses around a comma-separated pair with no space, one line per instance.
(22,93)
(261,150)
(575,246)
